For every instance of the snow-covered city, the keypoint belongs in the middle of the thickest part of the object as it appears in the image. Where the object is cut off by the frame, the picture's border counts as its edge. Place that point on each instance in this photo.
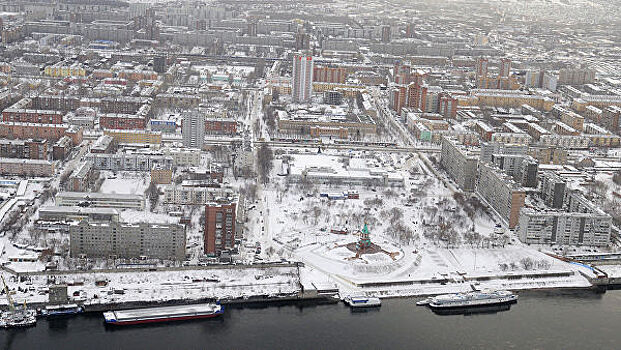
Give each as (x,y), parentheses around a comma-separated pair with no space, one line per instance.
(167,160)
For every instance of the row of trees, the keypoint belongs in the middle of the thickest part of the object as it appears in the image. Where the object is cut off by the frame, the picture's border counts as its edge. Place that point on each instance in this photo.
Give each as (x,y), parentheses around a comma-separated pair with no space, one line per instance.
(526,263)
(265,163)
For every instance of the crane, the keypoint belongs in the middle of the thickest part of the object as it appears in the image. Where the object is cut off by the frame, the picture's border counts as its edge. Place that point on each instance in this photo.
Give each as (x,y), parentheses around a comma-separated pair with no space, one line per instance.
(8,295)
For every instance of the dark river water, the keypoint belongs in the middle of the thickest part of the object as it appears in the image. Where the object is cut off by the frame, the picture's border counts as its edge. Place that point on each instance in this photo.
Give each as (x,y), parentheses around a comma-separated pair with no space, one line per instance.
(540,320)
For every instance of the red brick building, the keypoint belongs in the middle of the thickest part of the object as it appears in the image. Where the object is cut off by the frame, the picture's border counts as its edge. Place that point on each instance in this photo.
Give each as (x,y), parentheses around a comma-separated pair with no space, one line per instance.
(18,130)
(29,149)
(122,121)
(76,134)
(219,232)
(417,92)
(448,106)
(32,116)
(61,148)
(49,132)
(327,74)
(220,126)
(398,97)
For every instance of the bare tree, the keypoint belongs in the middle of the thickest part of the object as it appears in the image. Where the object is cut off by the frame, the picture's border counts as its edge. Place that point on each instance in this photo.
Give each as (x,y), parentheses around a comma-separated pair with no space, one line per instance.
(265,158)
(527,263)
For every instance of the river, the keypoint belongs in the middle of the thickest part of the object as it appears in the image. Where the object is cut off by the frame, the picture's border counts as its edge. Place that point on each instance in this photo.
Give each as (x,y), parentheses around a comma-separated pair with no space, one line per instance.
(540,320)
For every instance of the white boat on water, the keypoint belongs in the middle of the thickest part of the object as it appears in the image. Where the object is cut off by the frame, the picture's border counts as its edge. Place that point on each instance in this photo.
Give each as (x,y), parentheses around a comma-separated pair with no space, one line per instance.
(362,301)
(18,318)
(60,310)
(423,302)
(472,299)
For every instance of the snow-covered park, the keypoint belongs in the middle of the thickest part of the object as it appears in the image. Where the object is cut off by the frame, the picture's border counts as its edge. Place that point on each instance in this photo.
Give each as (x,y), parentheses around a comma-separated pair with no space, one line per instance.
(434,233)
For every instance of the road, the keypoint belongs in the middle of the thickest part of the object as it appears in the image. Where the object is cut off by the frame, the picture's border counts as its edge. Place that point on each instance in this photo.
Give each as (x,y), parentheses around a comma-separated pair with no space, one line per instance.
(352,146)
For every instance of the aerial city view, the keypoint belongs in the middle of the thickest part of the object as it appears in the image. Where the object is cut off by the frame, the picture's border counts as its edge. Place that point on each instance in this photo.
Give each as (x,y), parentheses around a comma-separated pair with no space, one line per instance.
(278,174)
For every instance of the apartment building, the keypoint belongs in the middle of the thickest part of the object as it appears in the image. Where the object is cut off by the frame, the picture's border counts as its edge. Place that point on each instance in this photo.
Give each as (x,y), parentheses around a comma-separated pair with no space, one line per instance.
(579,223)
(80,178)
(122,121)
(26,167)
(503,194)
(130,161)
(460,163)
(128,241)
(490,148)
(194,195)
(553,190)
(219,232)
(193,130)
(30,149)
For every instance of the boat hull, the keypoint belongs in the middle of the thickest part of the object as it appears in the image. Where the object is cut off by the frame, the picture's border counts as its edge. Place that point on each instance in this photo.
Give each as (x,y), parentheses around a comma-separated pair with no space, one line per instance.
(158,320)
(363,303)
(61,313)
(475,304)
(162,314)
(478,310)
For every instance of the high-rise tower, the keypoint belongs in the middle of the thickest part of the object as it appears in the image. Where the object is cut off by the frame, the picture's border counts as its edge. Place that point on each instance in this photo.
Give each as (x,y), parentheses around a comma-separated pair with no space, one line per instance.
(302,79)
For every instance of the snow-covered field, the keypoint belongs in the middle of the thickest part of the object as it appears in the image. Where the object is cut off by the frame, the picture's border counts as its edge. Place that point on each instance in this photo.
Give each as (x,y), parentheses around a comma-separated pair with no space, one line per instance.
(126,183)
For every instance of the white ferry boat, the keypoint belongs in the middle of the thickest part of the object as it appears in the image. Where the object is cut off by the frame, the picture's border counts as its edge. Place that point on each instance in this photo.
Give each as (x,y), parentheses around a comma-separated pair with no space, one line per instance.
(60,310)
(472,299)
(360,302)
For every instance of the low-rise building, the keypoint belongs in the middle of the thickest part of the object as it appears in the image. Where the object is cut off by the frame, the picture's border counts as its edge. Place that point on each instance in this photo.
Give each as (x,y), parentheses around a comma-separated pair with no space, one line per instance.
(135,136)
(59,213)
(26,167)
(130,161)
(220,126)
(80,178)
(30,149)
(184,157)
(100,200)
(302,122)
(103,144)
(194,195)
(61,148)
